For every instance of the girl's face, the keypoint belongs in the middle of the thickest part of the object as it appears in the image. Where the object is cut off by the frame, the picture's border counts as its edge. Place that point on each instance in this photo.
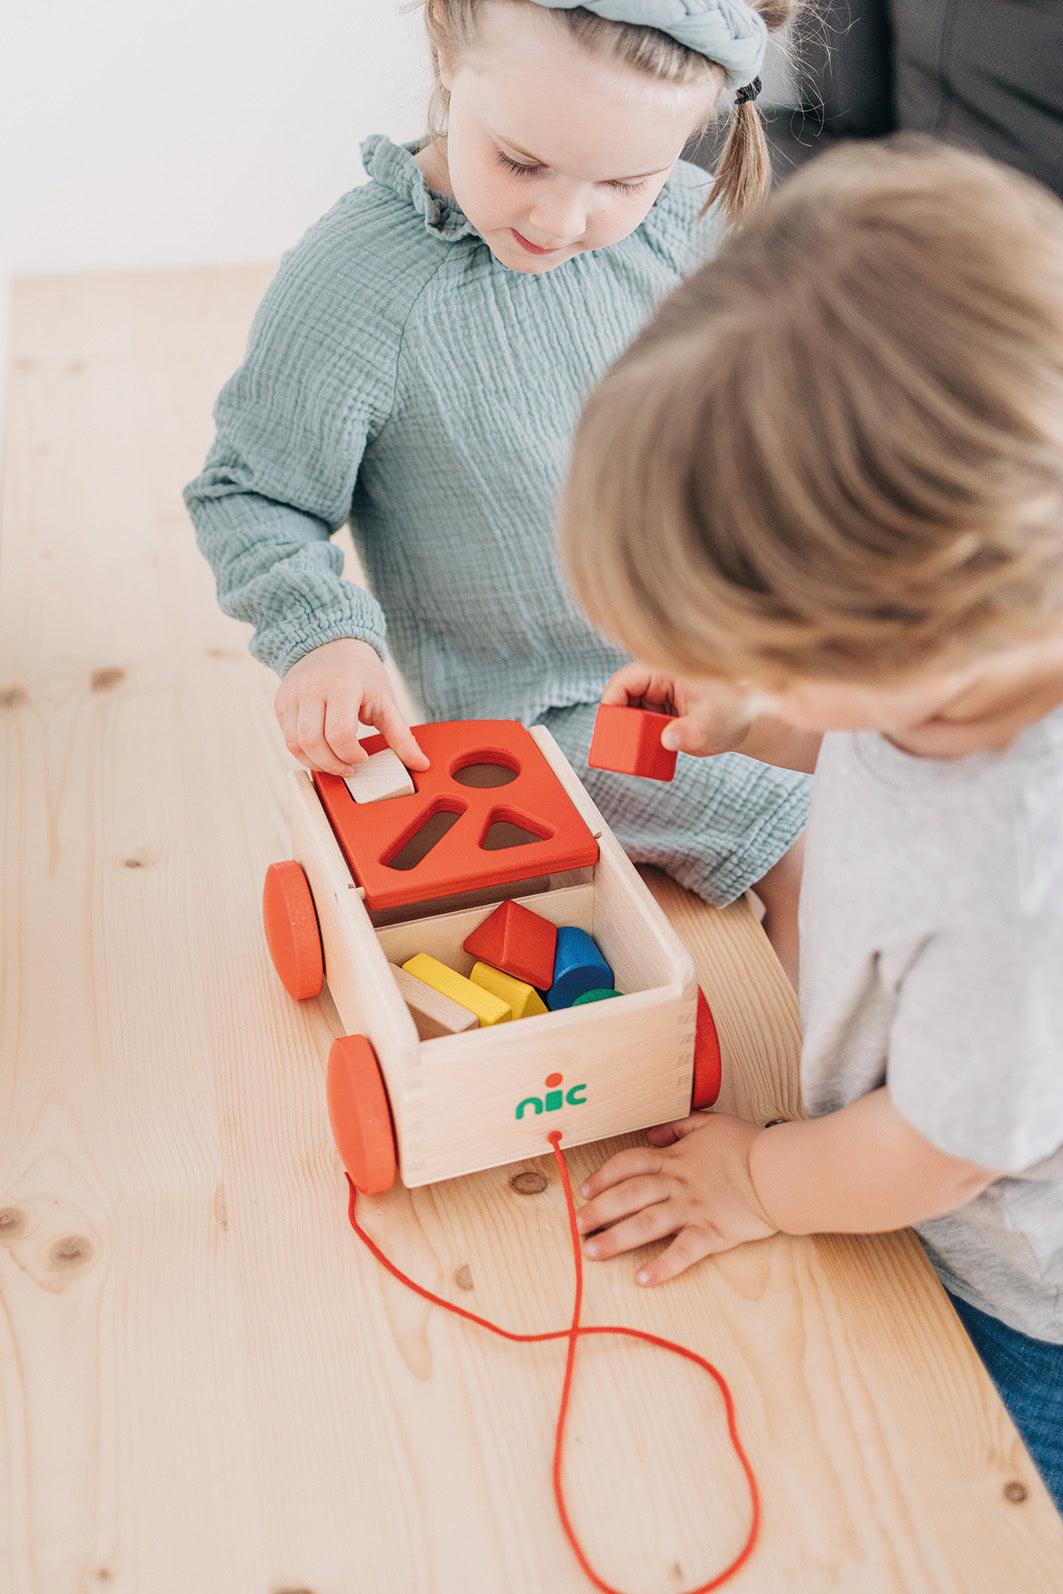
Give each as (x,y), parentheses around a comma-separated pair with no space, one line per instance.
(552,151)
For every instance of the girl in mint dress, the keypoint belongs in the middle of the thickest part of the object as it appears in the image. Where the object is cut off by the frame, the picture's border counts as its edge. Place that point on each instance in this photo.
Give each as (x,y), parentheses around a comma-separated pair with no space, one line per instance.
(417,369)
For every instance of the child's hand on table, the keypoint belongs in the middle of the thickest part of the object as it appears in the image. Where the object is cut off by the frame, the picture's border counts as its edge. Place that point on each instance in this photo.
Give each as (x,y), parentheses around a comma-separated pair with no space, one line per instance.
(710,718)
(692,1181)
(324,695)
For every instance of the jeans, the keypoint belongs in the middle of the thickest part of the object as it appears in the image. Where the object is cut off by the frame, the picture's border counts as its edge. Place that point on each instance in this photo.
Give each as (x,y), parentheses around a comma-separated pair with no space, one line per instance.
(1028,1374)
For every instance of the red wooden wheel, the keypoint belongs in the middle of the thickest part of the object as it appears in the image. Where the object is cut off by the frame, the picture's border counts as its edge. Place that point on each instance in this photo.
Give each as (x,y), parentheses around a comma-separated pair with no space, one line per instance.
(292,933)
(708,1068)
(359,1114)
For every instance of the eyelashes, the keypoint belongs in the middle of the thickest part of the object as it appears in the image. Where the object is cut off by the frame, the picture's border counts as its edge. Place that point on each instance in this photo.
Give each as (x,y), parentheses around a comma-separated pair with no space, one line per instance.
(522,169)
(516,166)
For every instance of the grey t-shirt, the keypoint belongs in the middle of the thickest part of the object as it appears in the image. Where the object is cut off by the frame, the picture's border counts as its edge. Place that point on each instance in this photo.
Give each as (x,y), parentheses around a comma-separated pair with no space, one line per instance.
(932,962)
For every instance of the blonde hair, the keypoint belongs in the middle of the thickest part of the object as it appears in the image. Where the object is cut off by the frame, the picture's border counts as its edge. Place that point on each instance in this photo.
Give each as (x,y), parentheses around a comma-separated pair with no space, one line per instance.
(743,173)
(838,450)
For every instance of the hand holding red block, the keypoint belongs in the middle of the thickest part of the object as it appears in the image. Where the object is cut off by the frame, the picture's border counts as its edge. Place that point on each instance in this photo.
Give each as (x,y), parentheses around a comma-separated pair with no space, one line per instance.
(628,742)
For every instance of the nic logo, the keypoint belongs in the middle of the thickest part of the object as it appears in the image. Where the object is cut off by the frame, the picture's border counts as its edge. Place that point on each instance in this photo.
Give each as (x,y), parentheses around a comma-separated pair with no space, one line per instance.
(555,1097)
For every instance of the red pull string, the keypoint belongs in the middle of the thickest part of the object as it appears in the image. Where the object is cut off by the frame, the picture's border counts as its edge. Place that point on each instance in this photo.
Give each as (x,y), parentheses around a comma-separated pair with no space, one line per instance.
(572,1335)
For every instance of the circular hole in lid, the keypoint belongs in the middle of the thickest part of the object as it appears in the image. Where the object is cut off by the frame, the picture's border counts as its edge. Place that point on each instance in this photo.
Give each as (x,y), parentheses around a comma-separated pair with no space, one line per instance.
(483,772)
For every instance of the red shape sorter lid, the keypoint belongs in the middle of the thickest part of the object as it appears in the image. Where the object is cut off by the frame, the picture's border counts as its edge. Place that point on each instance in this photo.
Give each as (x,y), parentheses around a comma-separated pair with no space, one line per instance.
(374,836)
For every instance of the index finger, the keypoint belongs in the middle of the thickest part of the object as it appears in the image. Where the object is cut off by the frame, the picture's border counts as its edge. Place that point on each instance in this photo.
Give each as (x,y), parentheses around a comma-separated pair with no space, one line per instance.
(668,1134)
(398,735)
(637,684)
(625,1165)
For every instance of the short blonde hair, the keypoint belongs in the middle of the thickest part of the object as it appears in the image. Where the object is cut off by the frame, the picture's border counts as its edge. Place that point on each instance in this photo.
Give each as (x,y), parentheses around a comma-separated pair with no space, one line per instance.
(838,450)
(743,174)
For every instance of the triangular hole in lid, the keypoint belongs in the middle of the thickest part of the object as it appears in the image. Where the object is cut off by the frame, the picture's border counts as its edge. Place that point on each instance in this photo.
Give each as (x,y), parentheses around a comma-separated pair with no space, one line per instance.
(503,833)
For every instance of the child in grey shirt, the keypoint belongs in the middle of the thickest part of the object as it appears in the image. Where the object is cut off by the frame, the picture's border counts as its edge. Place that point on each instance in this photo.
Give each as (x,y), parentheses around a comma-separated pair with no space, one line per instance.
(848,432)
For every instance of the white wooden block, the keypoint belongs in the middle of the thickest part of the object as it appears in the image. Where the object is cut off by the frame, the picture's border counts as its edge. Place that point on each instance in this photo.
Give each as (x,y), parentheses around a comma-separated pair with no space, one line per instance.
(432,1012)
(382,775)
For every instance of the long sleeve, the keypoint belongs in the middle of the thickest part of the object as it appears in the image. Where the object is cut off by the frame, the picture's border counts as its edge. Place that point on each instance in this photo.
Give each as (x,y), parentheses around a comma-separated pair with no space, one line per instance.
(292,425)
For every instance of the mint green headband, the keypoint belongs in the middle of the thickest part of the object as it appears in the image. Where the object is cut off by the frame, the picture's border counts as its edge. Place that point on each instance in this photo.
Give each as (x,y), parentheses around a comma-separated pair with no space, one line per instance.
(728,32)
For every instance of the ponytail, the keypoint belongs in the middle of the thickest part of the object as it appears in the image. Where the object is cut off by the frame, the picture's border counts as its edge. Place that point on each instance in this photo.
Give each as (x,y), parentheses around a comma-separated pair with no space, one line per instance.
(743,172)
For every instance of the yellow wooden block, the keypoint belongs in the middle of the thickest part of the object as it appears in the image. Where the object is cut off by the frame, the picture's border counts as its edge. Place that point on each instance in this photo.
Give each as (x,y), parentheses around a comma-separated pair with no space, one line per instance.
(489,1009)
(523,1000)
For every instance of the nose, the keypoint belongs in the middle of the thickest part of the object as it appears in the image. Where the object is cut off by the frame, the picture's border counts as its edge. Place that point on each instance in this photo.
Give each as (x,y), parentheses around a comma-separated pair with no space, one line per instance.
(559,214)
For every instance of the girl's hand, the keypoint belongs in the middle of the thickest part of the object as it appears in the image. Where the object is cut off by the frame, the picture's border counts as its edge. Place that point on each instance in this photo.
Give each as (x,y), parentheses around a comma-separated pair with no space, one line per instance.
(693,1181)
(710,718)
(324,695)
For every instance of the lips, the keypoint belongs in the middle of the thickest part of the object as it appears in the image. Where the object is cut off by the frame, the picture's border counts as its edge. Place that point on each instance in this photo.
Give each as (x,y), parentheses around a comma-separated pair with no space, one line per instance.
(526,243)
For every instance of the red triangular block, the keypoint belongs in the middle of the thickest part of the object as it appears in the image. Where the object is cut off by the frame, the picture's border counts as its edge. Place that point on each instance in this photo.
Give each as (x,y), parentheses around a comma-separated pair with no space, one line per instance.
(518,942)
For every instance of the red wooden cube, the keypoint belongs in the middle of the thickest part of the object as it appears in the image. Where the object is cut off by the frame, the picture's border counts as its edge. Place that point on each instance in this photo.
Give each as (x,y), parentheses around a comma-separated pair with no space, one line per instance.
(628,742)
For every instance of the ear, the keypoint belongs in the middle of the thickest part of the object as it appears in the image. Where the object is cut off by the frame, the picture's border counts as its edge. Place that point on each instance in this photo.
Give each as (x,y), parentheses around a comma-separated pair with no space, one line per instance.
(437,10)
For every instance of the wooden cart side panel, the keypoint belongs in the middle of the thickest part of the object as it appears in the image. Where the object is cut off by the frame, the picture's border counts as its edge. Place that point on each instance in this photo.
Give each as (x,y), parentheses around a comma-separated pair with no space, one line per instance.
(641,958)
(621,897)
(442,937)
(632,1056)
(356,969)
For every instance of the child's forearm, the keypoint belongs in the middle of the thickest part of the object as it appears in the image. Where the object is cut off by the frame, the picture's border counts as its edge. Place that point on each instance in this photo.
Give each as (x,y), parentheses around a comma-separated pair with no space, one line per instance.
(862,1170)
(772,741)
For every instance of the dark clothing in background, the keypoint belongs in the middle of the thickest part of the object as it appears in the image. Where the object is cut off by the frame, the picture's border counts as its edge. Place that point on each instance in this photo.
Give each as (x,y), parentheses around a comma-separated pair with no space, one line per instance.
(987,74)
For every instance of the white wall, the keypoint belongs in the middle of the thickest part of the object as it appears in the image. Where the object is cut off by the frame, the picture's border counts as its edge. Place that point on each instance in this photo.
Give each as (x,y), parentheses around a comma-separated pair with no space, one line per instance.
(148,132)
(167,132)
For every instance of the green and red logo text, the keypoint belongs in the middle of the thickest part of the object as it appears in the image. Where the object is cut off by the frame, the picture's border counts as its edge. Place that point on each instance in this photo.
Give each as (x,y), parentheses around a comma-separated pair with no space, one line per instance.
(555,1097)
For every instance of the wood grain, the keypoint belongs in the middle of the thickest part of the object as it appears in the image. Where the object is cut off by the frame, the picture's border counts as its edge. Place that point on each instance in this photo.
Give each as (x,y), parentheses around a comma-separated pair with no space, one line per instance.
(205,1384)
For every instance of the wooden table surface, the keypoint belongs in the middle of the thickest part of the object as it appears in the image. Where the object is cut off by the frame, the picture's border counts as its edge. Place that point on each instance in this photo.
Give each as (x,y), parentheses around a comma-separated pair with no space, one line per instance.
(207,1387)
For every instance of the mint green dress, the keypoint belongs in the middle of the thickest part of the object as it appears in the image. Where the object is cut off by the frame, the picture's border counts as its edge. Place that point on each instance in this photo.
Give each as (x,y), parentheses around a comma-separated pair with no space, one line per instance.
(400,380)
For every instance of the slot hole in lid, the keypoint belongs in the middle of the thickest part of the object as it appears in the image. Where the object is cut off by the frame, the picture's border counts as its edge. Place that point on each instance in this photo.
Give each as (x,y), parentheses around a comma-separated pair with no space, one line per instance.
(417,844)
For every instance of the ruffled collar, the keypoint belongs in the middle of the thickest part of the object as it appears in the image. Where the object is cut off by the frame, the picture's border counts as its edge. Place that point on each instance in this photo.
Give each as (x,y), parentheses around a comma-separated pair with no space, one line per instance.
(394,167)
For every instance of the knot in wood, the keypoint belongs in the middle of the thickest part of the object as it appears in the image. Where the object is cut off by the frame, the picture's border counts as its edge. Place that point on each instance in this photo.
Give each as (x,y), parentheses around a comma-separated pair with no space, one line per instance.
(530,1182)
(70,1250)
(463,1277)
(1015,1491)
(12,1222)
(103,680)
